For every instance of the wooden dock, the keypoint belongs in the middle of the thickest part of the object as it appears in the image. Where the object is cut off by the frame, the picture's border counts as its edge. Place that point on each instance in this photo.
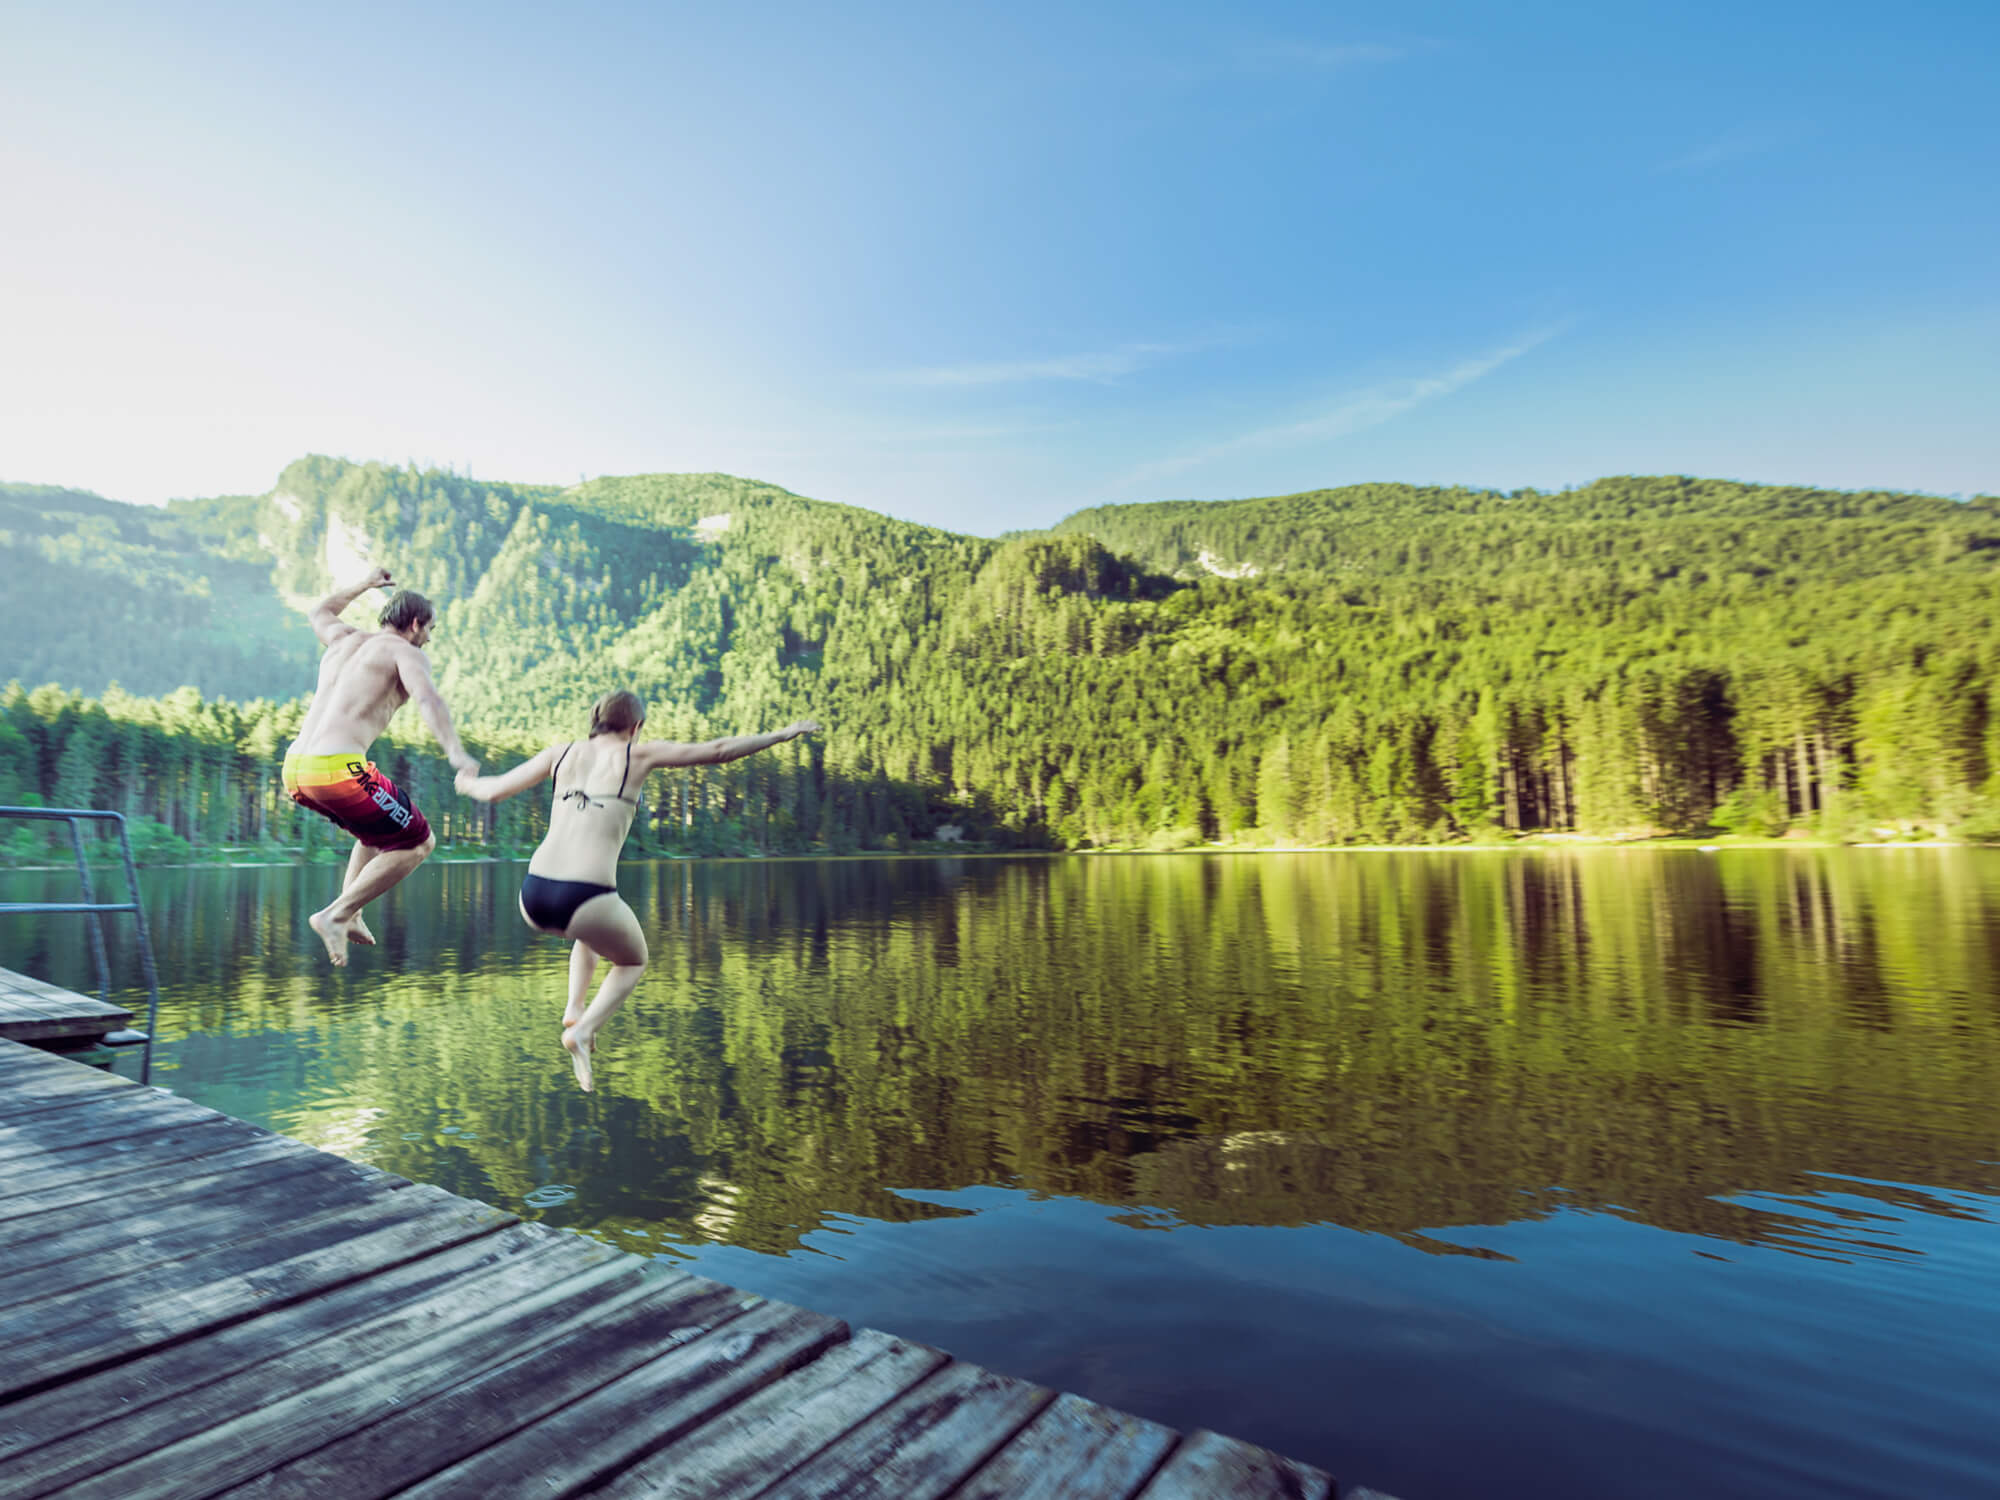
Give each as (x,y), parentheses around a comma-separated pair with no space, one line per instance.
(31,1011)
(192,1306)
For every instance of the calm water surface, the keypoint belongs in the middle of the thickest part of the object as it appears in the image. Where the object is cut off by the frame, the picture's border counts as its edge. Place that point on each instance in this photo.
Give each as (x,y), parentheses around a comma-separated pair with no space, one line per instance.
(1567,1173)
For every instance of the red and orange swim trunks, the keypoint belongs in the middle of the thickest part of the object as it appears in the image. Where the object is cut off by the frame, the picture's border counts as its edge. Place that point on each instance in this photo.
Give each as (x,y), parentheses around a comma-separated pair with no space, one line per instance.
(351,793)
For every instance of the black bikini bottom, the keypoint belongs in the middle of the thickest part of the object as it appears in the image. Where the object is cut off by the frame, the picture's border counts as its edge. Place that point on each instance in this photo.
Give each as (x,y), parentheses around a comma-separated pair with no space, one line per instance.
(549,904)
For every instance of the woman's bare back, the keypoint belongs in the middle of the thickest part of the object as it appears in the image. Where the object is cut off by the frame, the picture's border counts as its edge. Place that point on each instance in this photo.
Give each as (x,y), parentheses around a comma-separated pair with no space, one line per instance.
(596,798)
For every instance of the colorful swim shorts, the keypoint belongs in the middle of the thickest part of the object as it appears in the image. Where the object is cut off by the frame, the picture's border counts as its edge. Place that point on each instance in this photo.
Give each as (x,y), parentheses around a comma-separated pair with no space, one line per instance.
(354,795)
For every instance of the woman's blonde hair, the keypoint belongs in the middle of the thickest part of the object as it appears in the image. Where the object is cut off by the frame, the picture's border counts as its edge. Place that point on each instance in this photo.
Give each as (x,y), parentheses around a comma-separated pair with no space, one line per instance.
(617,712)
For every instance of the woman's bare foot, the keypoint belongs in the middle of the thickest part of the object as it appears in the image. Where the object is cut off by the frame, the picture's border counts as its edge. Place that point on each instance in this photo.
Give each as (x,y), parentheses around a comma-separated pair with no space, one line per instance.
(579,1056)
(333,934)
(357,932)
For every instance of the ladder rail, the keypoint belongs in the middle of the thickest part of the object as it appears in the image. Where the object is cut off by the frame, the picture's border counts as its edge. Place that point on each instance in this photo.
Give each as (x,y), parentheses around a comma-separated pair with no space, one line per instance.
(96,910)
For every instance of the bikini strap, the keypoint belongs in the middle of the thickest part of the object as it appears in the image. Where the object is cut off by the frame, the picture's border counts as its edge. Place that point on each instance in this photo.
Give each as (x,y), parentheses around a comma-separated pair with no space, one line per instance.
(628,771)
(559,760)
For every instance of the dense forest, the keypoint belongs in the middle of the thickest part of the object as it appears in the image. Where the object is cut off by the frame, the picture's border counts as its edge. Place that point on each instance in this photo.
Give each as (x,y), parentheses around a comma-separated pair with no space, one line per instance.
(1382,663)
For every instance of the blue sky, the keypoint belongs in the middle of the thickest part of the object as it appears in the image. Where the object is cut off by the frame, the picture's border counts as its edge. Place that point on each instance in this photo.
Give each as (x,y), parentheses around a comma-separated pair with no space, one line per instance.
(981,266)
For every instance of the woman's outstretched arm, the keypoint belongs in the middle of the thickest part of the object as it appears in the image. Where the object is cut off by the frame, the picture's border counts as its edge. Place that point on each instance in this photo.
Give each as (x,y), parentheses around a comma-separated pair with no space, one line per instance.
(508,783)
(654,753)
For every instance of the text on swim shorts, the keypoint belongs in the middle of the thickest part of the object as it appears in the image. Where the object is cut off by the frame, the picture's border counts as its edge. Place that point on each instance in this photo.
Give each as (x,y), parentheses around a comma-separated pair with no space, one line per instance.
(398,814)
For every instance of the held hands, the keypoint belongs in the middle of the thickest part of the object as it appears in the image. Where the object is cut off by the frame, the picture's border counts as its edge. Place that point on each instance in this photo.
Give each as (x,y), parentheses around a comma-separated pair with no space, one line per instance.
(378,578)
(463,782)
(803,726)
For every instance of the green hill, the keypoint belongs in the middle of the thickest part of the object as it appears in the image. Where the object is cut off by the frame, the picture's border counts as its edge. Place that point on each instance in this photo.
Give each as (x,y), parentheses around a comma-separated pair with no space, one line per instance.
(98,592)
(1632,530)
(1377,663)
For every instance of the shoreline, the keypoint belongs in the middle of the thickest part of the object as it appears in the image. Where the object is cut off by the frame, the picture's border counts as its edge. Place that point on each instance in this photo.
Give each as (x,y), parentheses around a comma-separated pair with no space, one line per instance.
(1531,845)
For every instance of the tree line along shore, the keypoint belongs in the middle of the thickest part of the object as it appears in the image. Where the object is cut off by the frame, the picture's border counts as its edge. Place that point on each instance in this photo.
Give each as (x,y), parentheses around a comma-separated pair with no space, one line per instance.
(1377,665)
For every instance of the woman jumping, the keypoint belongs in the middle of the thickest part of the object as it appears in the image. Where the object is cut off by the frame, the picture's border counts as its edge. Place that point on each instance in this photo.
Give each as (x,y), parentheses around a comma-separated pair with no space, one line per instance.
(571,889)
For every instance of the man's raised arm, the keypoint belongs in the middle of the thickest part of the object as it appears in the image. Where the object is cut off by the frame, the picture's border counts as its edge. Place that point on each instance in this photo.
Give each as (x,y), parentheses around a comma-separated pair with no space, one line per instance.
(415,672)
(325,615)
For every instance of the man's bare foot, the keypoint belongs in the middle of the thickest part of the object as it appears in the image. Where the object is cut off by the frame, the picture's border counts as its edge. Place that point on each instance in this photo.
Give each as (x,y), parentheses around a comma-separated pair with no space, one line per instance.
(357,932)
(333,934)
(579,1057)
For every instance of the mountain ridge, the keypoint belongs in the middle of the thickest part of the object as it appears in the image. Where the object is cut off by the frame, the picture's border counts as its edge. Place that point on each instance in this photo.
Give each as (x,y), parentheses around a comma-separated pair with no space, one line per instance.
(1404,662)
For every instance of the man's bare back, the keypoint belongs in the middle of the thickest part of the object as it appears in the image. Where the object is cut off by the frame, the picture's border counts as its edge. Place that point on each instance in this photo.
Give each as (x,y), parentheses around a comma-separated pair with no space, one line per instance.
(365,676)
(360,688)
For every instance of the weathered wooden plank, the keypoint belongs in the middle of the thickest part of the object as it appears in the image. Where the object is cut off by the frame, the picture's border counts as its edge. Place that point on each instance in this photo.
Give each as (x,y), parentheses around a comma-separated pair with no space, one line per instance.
(19,1004)
(653,1405)
(20,1057)
(56,1001)
(29,1090)
(26,1111)
(14,1056)
(70,1030)
(21,1060)
(11,1065)
(26,1115)
(15,1007)
(12,1052)
(246,1312)
(1075,1450)
(124,1243)
(22,1022)
(194,1152)
(116,1117)
(67,1003)
(1208,1464)
(767,1435)
(31,1107)
(350,1381)
(25,987)
(164,1373)
(14,1110)
(416,1224)
(31,1016)
(310,1226)
(921,1444)
(201,1184)
(28,983)
(202,1187)
(118,1159)
(12,986)
(136,1432)
(18,1060)
(418,1440)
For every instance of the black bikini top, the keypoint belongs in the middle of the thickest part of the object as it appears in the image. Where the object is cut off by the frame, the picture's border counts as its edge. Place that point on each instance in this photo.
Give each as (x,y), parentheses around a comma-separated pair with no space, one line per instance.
(585,799)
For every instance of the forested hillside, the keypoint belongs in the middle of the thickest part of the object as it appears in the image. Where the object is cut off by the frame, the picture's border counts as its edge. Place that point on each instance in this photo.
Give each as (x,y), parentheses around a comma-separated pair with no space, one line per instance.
(98,592)
(1376,664)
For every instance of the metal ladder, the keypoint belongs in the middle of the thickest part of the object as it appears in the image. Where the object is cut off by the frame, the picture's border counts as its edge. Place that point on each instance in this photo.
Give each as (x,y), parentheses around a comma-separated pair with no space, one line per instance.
(96,909)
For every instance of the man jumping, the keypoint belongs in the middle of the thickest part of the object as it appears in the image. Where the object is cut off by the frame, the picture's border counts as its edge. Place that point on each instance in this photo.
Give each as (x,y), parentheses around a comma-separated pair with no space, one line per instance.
(365,676)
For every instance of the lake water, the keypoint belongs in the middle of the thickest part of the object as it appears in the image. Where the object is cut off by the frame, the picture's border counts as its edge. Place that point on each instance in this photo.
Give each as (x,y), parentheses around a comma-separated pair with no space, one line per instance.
(1572,1173)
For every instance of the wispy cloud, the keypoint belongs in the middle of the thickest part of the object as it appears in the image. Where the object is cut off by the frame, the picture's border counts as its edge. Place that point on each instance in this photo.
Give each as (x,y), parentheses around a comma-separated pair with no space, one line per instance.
(1734,145)
(1353,413)
(1102,367)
